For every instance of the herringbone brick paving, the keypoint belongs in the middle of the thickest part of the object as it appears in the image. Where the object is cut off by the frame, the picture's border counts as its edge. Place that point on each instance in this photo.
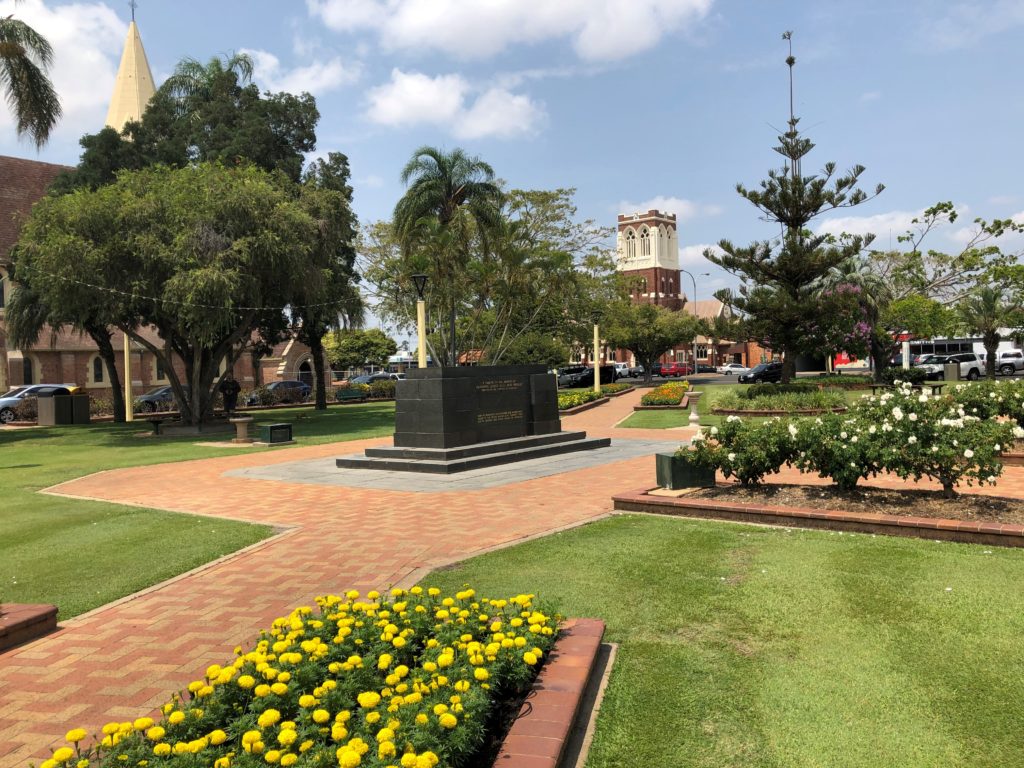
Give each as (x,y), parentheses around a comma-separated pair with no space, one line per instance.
(124,659)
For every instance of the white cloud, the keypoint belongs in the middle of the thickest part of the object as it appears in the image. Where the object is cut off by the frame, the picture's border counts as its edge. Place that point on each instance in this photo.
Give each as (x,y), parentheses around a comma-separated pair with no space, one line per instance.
(87,39)
(317,78)
(413,98)
(870,96)
(965,24)
(882,225)
(683,209)
(1018,218)
(694,255)
(372,180)
(598,29)
(1003,199)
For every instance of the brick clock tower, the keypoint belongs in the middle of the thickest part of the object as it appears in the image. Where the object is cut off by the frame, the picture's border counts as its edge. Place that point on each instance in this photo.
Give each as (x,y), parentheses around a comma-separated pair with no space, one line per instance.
(648,255)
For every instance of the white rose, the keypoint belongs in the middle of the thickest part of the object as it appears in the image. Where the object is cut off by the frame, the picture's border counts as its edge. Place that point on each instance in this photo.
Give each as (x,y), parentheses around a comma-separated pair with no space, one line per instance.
(935,449)
(792,430)
(872,430)
(998,447)
(731,457)
(968,454)
(714,430)
(897,413)
(923,399)
(912,417)
(853,439)
(842,435)
(911,440)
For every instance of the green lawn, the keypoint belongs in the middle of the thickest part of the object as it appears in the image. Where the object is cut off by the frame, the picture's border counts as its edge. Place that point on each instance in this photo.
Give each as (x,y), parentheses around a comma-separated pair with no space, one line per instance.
(747,646)
(79,554)
(712,393)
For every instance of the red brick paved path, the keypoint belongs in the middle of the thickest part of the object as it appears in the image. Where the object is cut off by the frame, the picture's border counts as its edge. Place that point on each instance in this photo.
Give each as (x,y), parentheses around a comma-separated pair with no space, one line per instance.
(121,660)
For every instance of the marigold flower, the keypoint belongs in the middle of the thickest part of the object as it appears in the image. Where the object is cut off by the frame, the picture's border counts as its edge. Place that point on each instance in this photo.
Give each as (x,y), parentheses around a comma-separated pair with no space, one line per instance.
(268,718)
(155,733)
(480,673)
(448,720)
(161,750)
(63,754)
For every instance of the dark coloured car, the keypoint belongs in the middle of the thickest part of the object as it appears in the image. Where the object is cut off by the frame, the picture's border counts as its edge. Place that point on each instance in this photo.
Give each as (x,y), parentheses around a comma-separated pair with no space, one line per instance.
(705,368)
(636,372)
(570,375)
(369,378)
(288,391)
(157,399)
(656,369)
(585,378)
(762,373)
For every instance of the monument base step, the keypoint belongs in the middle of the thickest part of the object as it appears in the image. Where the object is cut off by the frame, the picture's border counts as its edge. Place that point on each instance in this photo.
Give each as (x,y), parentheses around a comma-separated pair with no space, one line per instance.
(473,457)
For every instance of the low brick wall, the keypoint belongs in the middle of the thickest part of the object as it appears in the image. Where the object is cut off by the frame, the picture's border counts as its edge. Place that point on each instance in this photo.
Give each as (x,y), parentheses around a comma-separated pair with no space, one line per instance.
(22,622)
(584,407)
(989,534)
(540,733)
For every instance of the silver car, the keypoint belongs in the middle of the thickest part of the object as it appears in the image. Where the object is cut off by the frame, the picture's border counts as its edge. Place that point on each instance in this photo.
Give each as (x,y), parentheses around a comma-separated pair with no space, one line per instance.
(10,400)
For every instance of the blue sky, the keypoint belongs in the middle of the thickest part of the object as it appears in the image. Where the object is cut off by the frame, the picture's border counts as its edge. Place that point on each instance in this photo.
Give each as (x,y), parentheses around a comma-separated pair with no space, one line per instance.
(636,103)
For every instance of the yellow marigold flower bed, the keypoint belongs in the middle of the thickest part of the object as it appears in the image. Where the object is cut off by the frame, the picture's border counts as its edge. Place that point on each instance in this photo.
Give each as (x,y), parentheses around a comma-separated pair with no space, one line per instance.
(403,681)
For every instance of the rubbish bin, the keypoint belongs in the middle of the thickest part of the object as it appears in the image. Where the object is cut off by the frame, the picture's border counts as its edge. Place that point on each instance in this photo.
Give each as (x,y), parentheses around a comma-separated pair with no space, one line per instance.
(54,405)
(80,409)
(951,371)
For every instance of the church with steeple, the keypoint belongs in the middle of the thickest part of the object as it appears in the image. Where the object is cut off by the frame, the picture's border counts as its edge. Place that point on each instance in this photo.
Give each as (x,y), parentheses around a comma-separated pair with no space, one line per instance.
(133,87)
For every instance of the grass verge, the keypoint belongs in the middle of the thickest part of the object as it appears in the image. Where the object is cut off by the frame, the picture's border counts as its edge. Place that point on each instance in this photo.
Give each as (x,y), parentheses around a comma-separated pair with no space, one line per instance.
(758,647)
(80,554)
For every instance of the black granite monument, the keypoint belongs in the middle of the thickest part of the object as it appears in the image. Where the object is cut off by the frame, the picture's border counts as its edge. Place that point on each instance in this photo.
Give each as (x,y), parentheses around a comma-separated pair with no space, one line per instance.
(453,419)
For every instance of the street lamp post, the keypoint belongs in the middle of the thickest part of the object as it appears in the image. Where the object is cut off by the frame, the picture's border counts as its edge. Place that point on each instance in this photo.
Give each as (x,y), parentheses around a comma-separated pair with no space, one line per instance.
(420,281)
(694,281)
(129,409)
(596,317)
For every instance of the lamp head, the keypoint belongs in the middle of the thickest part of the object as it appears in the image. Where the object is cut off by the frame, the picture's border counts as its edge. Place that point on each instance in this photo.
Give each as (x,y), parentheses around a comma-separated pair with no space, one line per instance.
(420,282)
(596,316)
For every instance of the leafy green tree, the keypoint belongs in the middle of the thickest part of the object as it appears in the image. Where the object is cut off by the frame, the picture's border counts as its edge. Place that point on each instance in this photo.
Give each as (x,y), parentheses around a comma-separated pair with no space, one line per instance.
(535,348)
(355,348)
(721,327)
(780,279)
(204,254)
(647,330)
(25,57)
(203,114)
(451,199)
(987,310)
(330,298)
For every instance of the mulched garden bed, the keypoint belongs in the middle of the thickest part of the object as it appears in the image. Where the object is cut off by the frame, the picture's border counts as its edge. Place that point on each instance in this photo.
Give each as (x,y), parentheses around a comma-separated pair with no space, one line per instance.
(877,501)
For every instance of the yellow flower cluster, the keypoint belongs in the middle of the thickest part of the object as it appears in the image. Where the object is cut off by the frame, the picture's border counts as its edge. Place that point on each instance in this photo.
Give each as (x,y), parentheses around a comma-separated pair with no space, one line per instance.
(404,680)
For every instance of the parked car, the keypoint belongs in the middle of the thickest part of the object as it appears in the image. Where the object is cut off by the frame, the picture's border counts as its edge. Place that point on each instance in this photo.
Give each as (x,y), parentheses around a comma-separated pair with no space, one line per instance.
(971,366)
(656,369)
(762,373)
(676,369)
(636,372)
(369,378)
(396,376)
(10,400)
(705,368)
(621,370)
(585,378)
(732,368)
(568,375)
(1009,362)
(287,391)
(157,399)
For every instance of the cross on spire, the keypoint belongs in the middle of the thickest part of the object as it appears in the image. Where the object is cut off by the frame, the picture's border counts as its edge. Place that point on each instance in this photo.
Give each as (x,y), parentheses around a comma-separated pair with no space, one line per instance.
(132,4)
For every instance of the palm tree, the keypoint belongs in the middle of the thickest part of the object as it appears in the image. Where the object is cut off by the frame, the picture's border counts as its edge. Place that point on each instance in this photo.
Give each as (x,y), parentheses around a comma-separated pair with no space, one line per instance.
(25,56)
(458,194)
(192,81)
(986,310)
(875,295)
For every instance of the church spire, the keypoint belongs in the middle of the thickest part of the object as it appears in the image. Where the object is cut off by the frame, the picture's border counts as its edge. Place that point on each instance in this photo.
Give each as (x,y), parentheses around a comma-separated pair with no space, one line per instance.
(134,86)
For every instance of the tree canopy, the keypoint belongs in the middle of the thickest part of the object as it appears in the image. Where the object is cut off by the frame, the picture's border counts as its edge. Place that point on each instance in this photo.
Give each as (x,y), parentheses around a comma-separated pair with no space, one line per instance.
(204,254)
(355,348)
(647,330)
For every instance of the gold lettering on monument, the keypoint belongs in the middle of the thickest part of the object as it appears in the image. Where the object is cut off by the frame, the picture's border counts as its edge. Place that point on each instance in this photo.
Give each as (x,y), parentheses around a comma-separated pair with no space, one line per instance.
(495,416)
(499,385)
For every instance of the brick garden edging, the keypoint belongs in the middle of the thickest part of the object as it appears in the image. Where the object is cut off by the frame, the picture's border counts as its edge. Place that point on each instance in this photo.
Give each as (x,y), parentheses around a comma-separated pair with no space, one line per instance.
(584,407)
(965,532)
(540,733)
(23,622)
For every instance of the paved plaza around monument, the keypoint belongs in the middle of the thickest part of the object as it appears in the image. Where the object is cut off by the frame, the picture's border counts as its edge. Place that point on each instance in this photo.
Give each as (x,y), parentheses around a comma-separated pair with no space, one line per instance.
(124,659)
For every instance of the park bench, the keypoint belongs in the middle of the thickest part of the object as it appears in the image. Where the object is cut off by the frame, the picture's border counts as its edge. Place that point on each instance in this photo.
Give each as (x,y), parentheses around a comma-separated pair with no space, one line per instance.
(156,422)
(350,393)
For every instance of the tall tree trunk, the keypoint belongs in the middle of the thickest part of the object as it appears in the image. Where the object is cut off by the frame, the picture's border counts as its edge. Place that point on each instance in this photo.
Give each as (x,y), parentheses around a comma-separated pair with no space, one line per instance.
(991,343)
(879,359)
(255,356)
(316,347)
(4,365)
(102,336)
(788,367)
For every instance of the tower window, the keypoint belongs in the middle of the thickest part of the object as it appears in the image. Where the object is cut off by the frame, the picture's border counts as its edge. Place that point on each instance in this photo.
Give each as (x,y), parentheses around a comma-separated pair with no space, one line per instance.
(645,242)
(630,244)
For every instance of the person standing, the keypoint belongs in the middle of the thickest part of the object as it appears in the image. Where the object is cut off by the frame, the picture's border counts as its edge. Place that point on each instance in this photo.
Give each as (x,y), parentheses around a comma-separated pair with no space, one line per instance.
(229,389)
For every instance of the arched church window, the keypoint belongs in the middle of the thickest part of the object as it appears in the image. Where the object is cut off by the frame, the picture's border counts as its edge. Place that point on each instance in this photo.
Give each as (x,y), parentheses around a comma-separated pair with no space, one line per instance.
(672,286)
(27,371)
(97,369)
(663,285)
(645,242)
(643,285)
(630,244)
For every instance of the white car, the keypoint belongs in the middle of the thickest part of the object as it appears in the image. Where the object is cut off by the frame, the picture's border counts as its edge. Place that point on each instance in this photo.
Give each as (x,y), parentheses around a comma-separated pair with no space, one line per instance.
(621,370)
(730,368)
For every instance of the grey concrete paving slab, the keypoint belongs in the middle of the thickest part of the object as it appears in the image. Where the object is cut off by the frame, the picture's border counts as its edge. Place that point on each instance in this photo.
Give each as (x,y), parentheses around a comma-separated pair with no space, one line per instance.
(324,471)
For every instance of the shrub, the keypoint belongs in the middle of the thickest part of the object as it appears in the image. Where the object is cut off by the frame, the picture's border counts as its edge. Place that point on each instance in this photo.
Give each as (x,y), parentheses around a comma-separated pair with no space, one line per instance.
(843,381)
(985,399)
(259,396)
(570,398)
(27,410)
(383,389)
(360,682)
(101,406)
(747,449)
(669,393)
(837,447)
(761,390)
(784,401)
(911,375)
